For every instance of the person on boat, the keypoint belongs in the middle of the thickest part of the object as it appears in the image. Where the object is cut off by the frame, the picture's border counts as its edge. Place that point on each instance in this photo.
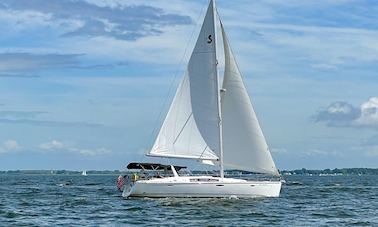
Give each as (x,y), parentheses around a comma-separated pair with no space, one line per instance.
(126,178)
(142,175)
(157,175)
(134,177)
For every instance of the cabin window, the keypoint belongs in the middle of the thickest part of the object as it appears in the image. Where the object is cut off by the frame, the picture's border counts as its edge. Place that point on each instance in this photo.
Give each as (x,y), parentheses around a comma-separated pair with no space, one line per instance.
(204,180)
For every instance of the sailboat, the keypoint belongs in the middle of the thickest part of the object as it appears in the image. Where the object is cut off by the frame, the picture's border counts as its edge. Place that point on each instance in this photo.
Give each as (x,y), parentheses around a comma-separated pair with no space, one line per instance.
(84,173)
(211,124)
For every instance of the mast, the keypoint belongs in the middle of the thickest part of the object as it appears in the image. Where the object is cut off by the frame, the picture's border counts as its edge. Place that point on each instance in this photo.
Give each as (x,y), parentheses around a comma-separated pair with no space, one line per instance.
(218,96)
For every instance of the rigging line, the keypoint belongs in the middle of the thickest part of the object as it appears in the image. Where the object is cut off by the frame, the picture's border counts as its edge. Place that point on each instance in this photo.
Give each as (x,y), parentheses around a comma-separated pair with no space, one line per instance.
(182,129)
(179,96)
(199,158)
(203,152)
(175,76)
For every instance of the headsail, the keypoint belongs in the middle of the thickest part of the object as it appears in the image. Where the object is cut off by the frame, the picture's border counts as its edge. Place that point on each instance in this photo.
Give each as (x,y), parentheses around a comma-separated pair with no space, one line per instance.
(244,144)
(191,127)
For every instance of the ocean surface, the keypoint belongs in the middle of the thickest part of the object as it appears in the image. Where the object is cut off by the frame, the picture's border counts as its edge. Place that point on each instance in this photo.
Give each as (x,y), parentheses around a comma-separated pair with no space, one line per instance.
(51,200)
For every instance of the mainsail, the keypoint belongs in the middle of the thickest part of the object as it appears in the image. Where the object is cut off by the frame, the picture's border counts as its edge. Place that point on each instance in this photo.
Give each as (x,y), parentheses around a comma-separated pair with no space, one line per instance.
(191,127)
(244,144)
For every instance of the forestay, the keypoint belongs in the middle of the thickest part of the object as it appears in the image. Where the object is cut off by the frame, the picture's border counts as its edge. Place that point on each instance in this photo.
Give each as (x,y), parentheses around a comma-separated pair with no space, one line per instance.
(244,144)
(191,127)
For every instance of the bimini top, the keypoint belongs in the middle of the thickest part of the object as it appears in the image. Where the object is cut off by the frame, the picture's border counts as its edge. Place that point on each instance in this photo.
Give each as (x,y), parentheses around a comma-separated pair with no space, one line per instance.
(152,166)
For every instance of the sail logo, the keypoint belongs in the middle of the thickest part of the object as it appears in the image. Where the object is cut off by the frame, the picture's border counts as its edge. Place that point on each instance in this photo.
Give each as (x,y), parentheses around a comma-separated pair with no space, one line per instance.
(209,39)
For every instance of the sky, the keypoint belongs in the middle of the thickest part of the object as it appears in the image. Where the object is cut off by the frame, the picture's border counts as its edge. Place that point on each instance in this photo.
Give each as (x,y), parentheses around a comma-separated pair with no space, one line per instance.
(85,84)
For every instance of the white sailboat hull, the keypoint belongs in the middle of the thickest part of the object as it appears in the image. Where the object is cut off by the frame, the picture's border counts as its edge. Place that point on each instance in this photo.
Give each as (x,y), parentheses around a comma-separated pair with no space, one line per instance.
(202,187)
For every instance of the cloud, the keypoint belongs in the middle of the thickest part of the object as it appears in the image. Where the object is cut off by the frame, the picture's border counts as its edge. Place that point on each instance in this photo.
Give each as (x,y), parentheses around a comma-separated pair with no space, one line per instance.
(342,114)
(120,21)
(33,118)
(26,62)
(18,75)
(9,146)
(369,147)
(372,141)
(25,65)
(324,66)
(371,151)
(345,46)
(58,146)
(369,113)
(54,34)
(338,114)
(313,37)
(53,145)
(48,123)
(20,114)
(300,34)
(11,63)
(91,152)
(317,152)
(279,151)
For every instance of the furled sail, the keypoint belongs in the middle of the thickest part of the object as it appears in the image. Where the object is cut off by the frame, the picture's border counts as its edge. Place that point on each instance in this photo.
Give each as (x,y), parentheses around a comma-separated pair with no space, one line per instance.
(244,144)
(191,127)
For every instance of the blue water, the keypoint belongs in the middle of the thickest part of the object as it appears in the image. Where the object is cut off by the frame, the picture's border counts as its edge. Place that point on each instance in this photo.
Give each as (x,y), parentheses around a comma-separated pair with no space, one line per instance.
(46,200)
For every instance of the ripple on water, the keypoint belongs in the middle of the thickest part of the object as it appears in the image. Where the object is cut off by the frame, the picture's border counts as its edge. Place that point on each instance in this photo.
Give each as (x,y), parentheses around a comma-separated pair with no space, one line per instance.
(293,183)
(95,201)
(133,209)
(10,214)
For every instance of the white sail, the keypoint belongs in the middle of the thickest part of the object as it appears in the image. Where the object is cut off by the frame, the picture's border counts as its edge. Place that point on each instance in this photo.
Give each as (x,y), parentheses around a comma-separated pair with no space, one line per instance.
(203,75)
(191,127)
(244,144)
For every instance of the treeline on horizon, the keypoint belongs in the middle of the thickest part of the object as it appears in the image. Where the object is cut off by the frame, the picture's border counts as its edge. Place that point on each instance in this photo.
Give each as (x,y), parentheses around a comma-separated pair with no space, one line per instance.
(342,171)
(303,171)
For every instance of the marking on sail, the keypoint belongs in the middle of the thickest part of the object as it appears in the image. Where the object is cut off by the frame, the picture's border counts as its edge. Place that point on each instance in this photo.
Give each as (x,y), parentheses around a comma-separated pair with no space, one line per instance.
(209,39)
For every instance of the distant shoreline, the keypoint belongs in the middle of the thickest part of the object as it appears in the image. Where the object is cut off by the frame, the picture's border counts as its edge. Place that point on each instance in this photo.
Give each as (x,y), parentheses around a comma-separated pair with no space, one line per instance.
(303,171)
(332,172)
